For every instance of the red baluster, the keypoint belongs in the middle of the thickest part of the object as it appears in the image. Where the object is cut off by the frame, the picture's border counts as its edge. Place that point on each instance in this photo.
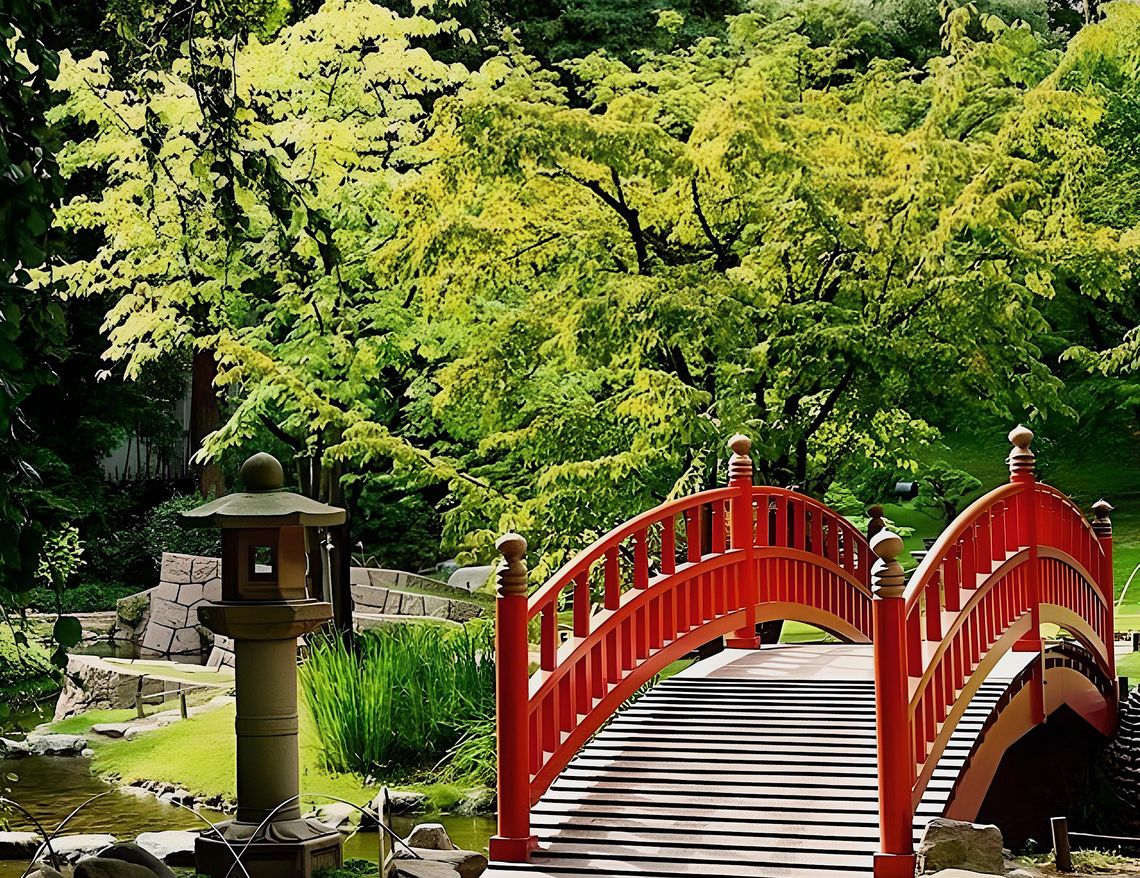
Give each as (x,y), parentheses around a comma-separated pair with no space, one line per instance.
(612,579)
(669,545)
(640,559)
(582,604)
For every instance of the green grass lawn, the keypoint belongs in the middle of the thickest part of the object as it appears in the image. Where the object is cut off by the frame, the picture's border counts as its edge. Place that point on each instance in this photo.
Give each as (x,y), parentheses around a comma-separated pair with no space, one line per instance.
(198,755)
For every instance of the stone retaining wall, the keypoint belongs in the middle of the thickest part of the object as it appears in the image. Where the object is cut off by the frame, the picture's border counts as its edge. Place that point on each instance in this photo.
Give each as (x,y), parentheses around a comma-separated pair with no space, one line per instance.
(163,621)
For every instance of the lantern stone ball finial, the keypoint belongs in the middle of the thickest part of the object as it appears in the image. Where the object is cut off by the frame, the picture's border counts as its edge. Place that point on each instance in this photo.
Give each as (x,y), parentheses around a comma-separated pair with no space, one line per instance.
(262,472)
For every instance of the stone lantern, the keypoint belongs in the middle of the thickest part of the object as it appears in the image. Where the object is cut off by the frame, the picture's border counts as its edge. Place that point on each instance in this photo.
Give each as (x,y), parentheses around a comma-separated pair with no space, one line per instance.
(265,607)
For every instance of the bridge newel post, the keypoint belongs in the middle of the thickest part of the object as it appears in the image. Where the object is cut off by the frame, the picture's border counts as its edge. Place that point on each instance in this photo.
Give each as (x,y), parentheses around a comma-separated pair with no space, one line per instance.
(1102,527)
(743,537)
(514,841)
(895,858)
(1023,471)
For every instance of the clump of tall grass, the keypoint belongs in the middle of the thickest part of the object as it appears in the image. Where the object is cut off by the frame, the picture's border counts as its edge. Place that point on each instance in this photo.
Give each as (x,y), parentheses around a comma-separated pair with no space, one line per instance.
(403,699)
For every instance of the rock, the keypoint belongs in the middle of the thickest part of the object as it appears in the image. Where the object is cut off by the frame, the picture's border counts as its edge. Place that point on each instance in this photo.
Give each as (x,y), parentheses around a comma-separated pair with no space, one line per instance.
(431,836)
(88,753)
(404,802)
(111,730)
(468,864)
(135,731)
(18,845)
(423,869)
(963,873)
(953,844)
(93,684)
(97,867)
(72,848)
(10,749)
(173,847)
(44,871)
(399,802)
(55,745)
(338,815)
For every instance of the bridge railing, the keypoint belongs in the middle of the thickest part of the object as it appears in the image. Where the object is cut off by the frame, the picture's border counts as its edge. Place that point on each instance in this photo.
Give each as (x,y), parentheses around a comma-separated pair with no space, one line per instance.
(1021,555)
(645,594)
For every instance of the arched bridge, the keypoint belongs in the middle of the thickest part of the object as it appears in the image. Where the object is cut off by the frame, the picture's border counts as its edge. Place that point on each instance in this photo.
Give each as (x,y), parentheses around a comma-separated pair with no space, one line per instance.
(788,761)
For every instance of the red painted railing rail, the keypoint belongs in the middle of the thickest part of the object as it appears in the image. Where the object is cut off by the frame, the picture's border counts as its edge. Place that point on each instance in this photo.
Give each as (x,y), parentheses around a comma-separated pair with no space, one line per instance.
(648,592)
(1021,555)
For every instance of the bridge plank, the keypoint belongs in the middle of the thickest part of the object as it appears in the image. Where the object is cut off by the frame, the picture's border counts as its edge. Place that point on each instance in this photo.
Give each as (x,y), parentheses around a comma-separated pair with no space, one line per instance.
(757,763)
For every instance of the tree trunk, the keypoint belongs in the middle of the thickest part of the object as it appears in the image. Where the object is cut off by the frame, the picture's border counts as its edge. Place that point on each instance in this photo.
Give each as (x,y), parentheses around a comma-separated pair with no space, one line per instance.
(205,418)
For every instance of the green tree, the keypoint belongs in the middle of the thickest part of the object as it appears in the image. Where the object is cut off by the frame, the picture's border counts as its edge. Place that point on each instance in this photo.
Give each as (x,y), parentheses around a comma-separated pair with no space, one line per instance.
(31,322)
(746,234)
(945,488)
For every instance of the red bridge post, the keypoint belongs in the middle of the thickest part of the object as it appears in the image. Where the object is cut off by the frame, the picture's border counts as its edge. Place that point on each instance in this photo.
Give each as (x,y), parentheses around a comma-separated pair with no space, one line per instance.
(743,537)
(514,840)
(1102,527)
(895,858)
(1023,471)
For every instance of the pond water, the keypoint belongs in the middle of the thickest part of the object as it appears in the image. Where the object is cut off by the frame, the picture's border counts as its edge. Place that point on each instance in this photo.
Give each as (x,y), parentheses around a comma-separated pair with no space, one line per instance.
(51,788)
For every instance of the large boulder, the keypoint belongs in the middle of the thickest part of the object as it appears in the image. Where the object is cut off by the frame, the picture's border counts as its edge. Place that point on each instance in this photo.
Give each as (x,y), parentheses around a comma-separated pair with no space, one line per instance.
(98,867)
(55,745)
(73,848)
(953,844)
(174,847)
(93,684)
(431,836)
(18,845)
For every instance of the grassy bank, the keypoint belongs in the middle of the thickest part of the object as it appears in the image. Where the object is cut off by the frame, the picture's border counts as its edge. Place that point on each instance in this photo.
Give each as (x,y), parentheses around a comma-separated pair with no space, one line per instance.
(197,754)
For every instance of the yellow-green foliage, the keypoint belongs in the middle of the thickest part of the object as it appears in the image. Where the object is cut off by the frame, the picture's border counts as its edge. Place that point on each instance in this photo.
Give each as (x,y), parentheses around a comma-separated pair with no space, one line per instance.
(561,289)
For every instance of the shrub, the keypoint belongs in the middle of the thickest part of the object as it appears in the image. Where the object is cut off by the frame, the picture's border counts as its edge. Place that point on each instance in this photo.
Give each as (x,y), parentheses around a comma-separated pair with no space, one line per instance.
(26,671)
(409,694)
(89,597)
(132,553)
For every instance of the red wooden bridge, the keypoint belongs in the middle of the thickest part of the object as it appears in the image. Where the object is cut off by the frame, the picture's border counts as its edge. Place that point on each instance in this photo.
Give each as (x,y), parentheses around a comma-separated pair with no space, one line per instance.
(788,761)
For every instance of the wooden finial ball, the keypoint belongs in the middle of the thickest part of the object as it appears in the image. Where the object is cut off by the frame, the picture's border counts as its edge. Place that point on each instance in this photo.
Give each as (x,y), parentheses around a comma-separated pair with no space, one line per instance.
(1021,436)
(740,444)
(1101,508)
(512,546)
(888,546)
(875,511)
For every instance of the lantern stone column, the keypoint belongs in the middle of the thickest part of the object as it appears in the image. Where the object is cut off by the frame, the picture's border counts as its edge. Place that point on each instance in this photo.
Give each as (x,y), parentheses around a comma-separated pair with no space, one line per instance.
(265,608)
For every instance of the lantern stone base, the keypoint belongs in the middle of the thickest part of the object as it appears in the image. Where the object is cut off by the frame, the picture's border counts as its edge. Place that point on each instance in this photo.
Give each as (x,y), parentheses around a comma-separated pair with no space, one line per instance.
(292,849)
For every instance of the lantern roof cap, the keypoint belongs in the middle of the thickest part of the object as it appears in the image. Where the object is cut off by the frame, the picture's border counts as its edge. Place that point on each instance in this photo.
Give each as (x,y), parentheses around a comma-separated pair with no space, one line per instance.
(264,503)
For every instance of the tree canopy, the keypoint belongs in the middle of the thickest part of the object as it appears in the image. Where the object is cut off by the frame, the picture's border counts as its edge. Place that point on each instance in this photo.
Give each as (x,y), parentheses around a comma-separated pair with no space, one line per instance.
(541,291)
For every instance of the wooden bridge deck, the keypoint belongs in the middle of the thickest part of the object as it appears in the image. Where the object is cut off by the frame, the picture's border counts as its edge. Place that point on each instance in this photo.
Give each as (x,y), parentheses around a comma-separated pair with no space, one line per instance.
(758,763)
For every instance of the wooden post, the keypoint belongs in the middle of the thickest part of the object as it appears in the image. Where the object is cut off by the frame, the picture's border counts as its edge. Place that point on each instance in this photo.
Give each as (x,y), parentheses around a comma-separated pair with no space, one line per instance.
(895,858)
(514,841)
(182,709)
(139,709)
(1102,527)
(740,478)
(1062,855)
